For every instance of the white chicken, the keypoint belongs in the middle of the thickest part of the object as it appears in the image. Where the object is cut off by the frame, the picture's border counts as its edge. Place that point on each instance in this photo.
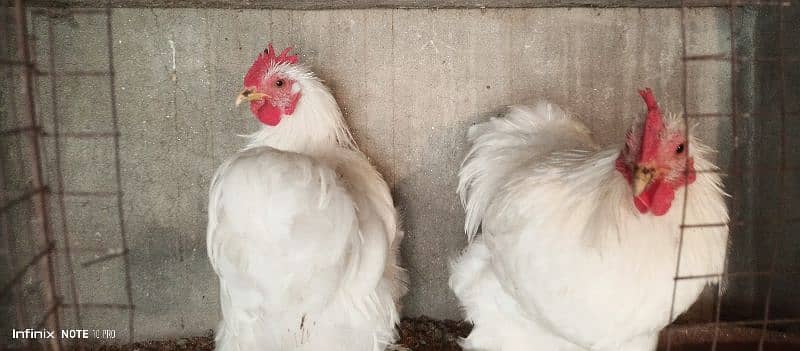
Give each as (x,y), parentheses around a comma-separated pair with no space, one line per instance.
(579,245)
(302,231)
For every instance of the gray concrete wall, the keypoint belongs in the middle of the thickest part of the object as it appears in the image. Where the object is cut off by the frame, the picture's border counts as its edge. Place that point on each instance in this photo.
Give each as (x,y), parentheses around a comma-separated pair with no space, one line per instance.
(409,82)
(371,4)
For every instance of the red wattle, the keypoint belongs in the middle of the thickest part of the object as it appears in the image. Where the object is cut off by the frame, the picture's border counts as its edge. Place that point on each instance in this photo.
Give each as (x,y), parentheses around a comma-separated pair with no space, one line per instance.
(662,198)
(642,203)
(269,115)
(657,198)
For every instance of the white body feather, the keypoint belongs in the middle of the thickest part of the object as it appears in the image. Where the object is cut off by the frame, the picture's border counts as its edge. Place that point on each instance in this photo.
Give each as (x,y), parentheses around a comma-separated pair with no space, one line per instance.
(565,261)
(304,238)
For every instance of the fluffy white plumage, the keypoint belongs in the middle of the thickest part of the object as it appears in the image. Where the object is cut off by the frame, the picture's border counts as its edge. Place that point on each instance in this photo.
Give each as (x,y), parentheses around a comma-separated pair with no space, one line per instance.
(565,261)
(304,237)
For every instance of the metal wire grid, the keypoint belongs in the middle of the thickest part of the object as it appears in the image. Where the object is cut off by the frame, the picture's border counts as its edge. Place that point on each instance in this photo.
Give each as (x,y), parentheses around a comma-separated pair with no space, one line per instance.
(40,192)
(738,172)
(38,195)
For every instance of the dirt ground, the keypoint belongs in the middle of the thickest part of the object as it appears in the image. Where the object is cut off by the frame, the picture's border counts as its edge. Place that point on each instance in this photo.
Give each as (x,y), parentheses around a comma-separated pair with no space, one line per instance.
(418,334)
(426,334)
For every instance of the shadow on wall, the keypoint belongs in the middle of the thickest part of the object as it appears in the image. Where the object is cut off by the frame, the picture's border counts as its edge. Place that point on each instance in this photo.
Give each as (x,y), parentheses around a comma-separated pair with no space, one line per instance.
(429,207)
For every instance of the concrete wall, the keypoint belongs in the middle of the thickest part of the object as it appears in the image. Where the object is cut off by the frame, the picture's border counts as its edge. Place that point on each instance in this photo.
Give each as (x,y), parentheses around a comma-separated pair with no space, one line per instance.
(372,4)
(409,82)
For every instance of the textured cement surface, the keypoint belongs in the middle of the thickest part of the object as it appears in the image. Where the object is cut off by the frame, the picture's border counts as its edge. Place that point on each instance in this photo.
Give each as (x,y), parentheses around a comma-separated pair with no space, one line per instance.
(410,82)
(371,4)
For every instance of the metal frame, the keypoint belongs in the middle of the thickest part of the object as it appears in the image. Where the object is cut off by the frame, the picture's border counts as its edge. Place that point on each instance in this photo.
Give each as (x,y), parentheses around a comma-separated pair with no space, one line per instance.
(39,193)
(735,115)
(38,196)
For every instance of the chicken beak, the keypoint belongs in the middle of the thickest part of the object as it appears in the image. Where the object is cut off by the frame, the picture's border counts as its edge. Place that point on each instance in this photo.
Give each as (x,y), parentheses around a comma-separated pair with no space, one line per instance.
(642,177)
(249,95)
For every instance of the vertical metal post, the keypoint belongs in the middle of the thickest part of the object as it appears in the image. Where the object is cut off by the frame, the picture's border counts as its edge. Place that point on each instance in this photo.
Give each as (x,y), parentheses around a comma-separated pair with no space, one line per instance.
(736,167)
(781,170)
(37,180)
(685,116)
(54,79)
(20,310)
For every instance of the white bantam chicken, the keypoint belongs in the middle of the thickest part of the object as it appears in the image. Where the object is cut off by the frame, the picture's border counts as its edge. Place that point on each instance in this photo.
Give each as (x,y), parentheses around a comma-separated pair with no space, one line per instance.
(302,231)
(579,244)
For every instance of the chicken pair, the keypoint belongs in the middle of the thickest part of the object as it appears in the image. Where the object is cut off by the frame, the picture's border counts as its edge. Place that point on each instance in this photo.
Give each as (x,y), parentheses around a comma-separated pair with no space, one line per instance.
(578,246)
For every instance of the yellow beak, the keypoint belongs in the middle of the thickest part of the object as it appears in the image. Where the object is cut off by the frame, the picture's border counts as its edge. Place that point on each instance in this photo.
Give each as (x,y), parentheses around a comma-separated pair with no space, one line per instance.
(249,95)
(642,176)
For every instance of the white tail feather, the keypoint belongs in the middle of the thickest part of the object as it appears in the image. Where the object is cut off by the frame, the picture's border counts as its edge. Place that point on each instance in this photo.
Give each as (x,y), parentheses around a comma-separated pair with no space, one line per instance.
(502,144)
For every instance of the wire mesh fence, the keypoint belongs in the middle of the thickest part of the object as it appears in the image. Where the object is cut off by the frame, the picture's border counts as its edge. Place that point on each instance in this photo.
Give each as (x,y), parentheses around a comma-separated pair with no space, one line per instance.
(738,172)
(30,134)
(40,286)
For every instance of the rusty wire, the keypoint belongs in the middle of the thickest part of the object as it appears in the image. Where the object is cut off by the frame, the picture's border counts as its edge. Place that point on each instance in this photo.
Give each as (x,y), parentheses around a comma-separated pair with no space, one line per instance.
(40,200)
(685,116)
(56,120)
(781,176)
(40,192)
(735,160)
(734,60)
(20,310)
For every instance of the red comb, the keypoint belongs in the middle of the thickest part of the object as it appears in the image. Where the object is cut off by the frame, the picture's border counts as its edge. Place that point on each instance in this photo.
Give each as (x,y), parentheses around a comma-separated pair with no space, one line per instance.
(649,99)
(264,61)
(652,126)
(284,57)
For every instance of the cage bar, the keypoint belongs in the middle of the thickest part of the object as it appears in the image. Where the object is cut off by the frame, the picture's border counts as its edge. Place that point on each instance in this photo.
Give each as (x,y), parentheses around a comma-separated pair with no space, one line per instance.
(685,116)
(65,234)
(83,135)
(86,73)
(19,130)
(781,177)
(40,199)
(21,315)
(43,254)
(41,191)
(733,59)
(22,198)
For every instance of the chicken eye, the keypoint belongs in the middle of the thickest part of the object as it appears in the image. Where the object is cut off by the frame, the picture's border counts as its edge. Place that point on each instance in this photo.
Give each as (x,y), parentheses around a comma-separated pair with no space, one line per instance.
(279,83)
(679,149)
